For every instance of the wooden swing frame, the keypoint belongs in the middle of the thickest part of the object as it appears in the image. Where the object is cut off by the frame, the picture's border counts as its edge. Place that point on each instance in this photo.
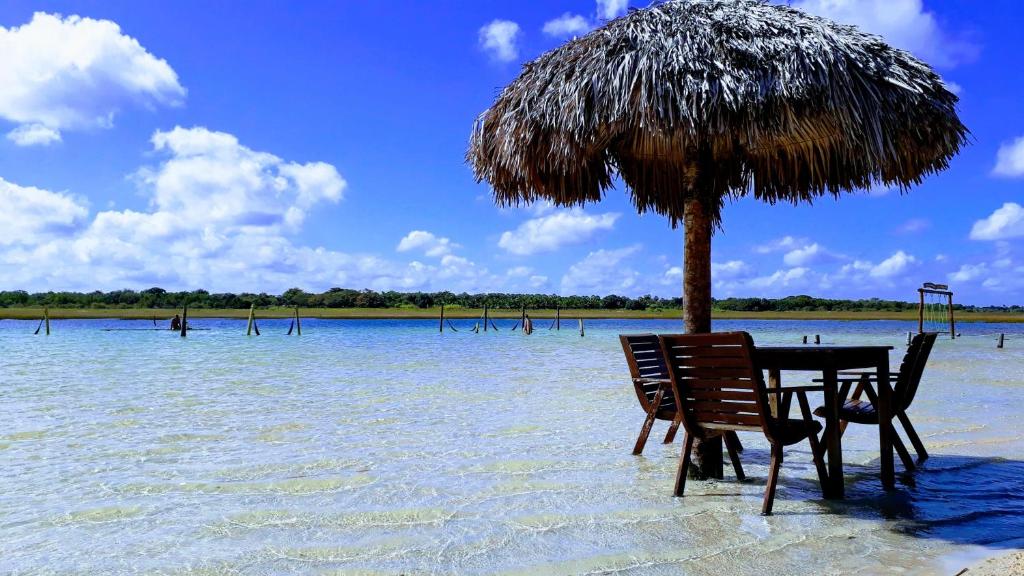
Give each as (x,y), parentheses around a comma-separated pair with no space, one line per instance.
(942,290)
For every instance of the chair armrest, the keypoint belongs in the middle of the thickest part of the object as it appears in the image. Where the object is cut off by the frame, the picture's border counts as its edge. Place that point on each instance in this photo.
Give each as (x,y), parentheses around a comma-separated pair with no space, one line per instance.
(786,389)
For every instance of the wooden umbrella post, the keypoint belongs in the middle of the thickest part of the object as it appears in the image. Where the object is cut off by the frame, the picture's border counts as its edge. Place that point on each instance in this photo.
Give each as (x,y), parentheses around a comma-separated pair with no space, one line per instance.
(46,318)
(298,322)
(558,317)
(697,310)
(184,320)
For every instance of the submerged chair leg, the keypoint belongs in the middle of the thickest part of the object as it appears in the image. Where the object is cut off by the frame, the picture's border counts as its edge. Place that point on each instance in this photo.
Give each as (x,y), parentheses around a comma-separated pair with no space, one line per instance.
(730,443)
(684,465)
(735,441)
(922,454)
(901,449)
(817,449)
(648,422)
(672,429)
(773,480)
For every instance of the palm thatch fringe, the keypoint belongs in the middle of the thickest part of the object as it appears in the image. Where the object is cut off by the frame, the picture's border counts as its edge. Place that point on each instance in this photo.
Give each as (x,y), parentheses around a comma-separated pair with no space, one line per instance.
(712,99)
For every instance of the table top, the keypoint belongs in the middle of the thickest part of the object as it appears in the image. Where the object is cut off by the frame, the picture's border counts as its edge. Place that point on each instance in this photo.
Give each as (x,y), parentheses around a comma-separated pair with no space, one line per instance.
(818,357)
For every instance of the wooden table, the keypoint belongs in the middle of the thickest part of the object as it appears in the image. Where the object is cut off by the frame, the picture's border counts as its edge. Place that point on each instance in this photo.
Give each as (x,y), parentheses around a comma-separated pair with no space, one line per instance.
(829,360)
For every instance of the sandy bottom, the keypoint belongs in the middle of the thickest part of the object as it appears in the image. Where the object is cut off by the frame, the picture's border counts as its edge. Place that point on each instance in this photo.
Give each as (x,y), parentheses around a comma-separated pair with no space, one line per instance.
(384,447)
(1007,564)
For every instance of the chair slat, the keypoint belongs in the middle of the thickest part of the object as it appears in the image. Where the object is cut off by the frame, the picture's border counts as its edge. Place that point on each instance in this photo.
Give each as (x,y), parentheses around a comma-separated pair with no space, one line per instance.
(718,361)
(705,407)
(747,395)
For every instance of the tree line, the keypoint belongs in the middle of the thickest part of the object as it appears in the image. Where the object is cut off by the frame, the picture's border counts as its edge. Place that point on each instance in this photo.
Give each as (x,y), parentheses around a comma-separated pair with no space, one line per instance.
(347,298)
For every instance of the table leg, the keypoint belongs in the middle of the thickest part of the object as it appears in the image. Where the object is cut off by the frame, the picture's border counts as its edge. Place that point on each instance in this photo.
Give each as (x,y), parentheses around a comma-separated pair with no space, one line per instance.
(833,441)
(885,424)
(774,381)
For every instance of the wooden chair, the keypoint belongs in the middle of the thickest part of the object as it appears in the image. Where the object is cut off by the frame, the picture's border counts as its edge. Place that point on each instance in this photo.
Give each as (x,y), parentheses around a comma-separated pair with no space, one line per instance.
(651,382)
(718,389)
(653,388)
(905,383)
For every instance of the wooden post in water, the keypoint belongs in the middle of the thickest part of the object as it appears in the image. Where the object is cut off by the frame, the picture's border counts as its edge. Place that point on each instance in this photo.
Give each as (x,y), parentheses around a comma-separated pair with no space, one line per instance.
(558,317)
(817,338)
(184,320)
(522,317)
(581,327)
(440,323)
(1000,344)
(920,312)
(46,317)
(952,324)
(805,339)
(298,322)
(485,317)
(252,317)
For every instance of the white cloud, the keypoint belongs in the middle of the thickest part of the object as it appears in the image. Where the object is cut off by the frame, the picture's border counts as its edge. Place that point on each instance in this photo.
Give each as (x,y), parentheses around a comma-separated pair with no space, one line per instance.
(730,270)
(903,23)
(804,255)
(794,277)
(431,245)
(1010,159)
(76,73)
(519,272)
(892,266)
(32,215)
(209,178)
(913,226)
(968,272)
(603,272)
(554,230)
(221,216)
(609,9)
(566,25)
(33,135)
(783,244)
(500,39)
(1006,222)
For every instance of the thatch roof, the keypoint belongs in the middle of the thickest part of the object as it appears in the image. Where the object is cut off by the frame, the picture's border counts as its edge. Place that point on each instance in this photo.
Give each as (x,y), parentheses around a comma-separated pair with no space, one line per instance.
(716,98)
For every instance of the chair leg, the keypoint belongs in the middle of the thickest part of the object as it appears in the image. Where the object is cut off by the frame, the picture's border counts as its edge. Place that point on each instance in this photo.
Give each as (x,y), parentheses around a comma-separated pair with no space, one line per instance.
(922,454)
(684,465)
(731,441)
(897,443)
(672,429)
(817,450)
(735,441)
(648,422)
(773,480)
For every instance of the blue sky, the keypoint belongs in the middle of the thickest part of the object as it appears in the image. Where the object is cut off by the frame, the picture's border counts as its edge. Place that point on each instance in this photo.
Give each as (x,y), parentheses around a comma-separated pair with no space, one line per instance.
(262,146)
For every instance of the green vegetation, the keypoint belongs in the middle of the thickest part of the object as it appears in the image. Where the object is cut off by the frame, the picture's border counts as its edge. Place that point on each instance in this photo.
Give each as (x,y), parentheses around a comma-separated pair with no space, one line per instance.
(340,298)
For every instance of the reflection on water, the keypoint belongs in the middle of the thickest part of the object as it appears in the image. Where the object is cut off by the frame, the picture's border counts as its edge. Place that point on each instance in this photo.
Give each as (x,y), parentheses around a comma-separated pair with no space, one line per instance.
(368,447)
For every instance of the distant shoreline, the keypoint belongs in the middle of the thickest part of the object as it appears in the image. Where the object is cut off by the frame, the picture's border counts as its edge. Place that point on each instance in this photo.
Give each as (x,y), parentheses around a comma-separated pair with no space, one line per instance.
(469,313)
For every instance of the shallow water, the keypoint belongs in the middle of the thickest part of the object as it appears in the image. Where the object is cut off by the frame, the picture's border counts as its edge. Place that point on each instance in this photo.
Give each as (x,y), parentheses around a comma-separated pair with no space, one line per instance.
(368,447)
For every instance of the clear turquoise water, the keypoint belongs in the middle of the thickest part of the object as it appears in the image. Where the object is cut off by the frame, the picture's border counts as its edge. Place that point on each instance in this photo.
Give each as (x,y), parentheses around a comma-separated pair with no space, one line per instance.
(384,447)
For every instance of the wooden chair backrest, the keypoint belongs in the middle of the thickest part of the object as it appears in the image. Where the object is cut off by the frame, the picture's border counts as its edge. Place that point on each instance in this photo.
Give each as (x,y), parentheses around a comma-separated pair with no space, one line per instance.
(716,382)
(912,368)
(643,354)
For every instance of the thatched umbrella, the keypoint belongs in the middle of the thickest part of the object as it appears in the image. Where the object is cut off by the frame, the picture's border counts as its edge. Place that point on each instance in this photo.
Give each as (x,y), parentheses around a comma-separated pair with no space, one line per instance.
(691,102)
